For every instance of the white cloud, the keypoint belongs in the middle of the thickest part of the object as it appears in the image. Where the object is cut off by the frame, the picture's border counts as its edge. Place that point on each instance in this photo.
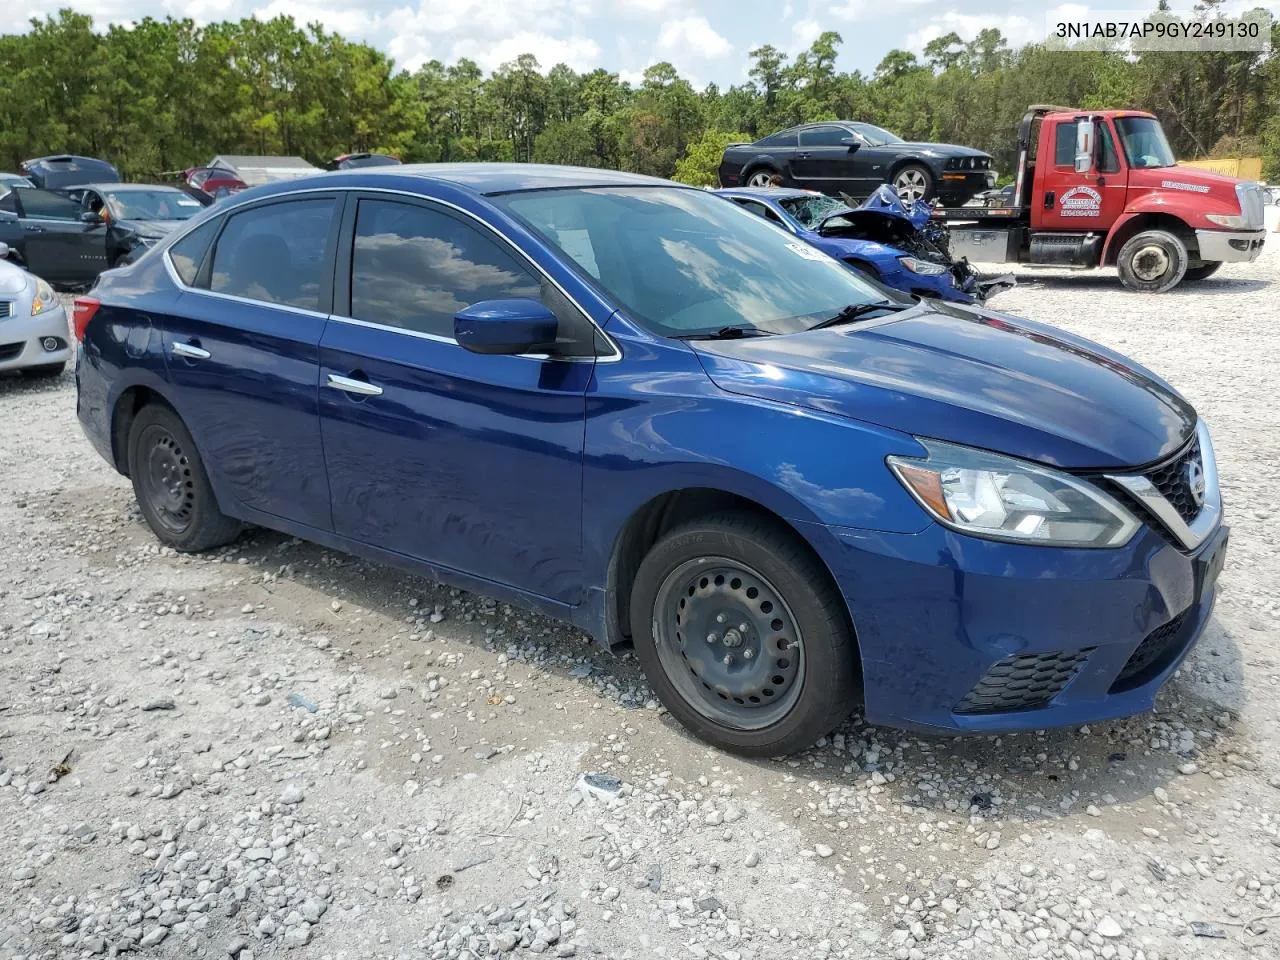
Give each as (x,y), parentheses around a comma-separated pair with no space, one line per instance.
(803,33)
(581,53)
(690,38)
(646,7)
(1016,30)
(851,9)
(335,15)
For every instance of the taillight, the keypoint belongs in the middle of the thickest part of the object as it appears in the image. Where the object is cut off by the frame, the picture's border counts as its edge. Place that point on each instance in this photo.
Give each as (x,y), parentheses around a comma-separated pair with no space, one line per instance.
(85,308)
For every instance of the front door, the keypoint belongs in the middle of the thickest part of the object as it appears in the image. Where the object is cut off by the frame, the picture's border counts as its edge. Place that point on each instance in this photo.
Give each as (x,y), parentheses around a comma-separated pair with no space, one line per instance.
(1070,201)
(825,161)
(467,461)
(59,246)
(242,349)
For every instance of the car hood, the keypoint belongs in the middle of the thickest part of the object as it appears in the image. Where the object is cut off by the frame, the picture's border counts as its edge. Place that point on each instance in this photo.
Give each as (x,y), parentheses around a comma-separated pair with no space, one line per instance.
(150,229)
(969,376)
(13,279)
(945,149)
(883,206)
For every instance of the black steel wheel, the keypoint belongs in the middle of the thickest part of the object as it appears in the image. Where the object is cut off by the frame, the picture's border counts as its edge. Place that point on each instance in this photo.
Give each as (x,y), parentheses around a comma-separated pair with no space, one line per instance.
(743,635)
(170,483)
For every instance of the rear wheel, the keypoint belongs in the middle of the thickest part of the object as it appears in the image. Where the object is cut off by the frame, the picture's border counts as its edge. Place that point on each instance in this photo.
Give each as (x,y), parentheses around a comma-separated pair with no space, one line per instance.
(743,636)
(1199,272)
(1153,261)
(761,176)
(171,485)
(913,182)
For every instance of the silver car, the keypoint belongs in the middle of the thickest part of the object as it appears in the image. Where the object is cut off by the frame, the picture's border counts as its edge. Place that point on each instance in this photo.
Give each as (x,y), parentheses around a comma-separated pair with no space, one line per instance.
(34,336)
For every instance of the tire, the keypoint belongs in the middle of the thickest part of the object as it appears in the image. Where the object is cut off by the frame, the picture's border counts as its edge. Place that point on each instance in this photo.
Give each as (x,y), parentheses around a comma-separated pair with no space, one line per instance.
(1206,269)
(45,371)
(759,176)
(1153,261)
(801,678)
(171,486)
(914,181)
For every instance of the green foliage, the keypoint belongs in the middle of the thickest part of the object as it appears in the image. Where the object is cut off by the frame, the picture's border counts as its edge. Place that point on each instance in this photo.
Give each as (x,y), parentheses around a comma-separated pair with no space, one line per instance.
(161,95)
(701,161)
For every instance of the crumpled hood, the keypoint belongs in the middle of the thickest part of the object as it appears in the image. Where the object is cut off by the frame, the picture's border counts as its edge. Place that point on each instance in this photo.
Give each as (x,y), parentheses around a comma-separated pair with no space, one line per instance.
(969,376)
(13,279)
(151,229)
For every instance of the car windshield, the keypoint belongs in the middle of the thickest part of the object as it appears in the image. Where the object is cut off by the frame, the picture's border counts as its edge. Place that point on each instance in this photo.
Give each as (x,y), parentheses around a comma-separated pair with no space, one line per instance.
(683,262)
(1144,142)
(875,136)
(152,205)
(809,211)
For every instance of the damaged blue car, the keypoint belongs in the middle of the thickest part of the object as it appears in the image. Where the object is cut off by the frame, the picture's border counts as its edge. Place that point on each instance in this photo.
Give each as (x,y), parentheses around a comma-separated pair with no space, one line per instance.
(898,247)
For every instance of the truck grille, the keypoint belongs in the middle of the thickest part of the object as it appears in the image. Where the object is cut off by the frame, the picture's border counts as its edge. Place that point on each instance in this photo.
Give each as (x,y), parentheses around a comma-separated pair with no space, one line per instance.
(1251,205)
(1023,682)
(1174,485)
(1154,653)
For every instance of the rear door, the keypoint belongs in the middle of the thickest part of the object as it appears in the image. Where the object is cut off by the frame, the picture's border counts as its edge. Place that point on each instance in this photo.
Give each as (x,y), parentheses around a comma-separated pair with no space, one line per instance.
(1070,201)
(466,461)
(59,246)
(243,350)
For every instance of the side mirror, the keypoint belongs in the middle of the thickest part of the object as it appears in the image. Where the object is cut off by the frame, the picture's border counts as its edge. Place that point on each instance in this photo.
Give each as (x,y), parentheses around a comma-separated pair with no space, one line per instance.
(505,327)
(853,143)
(90,217)
(1084,145)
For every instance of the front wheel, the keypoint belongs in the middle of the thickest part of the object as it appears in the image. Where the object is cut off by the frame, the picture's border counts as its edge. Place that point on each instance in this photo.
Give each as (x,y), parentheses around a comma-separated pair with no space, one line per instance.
(1154,261)
(171,486)
(743,635)
(1206,269)
(913,182)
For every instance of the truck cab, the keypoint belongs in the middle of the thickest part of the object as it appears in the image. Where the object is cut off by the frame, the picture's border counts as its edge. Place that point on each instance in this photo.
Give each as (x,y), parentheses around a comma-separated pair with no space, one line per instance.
(1102,188)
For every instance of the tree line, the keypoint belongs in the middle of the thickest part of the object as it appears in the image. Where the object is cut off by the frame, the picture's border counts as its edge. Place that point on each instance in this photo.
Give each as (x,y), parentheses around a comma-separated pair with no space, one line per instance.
(160,95)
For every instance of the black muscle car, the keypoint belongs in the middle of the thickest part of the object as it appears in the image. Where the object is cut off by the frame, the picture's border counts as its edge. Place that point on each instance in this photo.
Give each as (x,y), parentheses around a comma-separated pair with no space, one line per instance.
(841,156)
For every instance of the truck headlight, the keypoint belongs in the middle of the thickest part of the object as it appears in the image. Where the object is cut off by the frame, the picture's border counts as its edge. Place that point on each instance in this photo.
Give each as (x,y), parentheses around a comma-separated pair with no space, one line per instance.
(1002,498)
(1235,221)
(44,298)
(922,267)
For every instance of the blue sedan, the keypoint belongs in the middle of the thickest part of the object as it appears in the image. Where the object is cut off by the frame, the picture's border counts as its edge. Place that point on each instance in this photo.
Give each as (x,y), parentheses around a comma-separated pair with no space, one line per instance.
(871,239)
(638,408)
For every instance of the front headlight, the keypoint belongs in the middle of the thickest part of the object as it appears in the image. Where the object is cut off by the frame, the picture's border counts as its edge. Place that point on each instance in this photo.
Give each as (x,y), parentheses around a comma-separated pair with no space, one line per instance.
(44,298)
(922,267)
(1234,221)
(1001,498)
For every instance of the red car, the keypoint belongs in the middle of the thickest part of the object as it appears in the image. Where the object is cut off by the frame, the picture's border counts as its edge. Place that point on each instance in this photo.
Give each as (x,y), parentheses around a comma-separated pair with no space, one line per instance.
(214,181)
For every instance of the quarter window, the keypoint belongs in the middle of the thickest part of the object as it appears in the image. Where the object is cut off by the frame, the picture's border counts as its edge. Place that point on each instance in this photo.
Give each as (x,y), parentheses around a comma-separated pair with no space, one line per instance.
(415,267)
(189,252)
(787,138)
(275,253)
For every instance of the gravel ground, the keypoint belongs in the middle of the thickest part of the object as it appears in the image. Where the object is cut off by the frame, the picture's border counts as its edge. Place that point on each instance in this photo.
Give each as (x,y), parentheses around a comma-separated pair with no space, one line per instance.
(279,748)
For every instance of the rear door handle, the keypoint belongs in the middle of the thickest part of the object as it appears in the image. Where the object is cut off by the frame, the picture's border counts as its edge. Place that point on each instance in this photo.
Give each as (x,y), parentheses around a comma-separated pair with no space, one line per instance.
(190,350)
(351,385)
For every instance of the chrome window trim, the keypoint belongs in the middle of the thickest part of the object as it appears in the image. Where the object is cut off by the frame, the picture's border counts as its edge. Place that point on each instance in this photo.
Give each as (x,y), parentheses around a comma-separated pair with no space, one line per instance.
(176,237)
(1190,535)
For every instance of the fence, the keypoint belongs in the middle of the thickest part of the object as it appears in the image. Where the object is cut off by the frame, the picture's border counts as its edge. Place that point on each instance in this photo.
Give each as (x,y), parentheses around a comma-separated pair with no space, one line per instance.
(1242,168)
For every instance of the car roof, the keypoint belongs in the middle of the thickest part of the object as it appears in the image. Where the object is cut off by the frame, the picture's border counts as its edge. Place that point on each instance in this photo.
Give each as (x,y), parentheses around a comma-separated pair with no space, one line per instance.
(492,178)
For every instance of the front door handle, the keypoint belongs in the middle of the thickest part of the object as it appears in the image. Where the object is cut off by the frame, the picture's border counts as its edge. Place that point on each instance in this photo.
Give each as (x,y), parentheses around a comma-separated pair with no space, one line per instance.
(803,156)
(351,385)
(191,351)
(32,228)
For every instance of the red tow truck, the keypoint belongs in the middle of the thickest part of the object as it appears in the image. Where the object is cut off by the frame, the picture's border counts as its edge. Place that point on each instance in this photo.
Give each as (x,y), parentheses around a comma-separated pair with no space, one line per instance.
(1101,188)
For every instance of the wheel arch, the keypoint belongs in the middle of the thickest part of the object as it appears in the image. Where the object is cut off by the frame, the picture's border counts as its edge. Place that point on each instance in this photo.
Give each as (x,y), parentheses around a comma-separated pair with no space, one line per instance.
(1132,224)
(124,410)
(663,512)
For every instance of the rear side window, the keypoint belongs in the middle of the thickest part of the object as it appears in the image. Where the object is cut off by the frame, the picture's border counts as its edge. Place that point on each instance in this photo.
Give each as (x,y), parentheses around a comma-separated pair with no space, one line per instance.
(275,253)
(824,137)
(415,267)
(785,139)
(188,253)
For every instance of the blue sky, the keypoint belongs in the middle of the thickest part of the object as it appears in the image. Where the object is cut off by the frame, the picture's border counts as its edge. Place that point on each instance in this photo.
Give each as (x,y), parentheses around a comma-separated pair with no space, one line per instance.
(707,40)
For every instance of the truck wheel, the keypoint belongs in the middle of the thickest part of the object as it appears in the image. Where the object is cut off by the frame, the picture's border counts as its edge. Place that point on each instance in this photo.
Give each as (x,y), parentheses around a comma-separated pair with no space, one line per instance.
(1153,261)
(1207,269)
(760,176)
(913,182)
(743,636)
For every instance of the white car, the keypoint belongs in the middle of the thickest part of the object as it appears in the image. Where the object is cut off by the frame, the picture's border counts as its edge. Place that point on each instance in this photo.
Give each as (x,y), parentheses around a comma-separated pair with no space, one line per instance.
(34,336)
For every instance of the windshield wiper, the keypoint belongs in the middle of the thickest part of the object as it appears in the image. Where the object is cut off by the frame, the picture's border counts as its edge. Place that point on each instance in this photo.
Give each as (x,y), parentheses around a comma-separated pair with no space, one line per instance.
(855,310)
(726,333)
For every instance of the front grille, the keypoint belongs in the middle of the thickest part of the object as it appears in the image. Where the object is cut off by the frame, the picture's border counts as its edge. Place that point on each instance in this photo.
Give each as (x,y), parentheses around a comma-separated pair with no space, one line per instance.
(1023,682)
(1172,482)
(1251,205)
(9,351)
(6,309)
(1154,653)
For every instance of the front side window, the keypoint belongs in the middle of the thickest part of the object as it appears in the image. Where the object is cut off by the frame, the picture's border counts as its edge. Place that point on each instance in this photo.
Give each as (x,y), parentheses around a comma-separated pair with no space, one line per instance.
(44,205)
(683,262)
(415,267)
(1064,145)
(1144,142)
(824,137)
(275,253)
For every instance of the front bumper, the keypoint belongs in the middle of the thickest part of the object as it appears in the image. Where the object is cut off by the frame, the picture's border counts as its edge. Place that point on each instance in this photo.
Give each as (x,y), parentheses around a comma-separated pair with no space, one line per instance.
(22,339)
(954,184)
(961,635)
(1230,246)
